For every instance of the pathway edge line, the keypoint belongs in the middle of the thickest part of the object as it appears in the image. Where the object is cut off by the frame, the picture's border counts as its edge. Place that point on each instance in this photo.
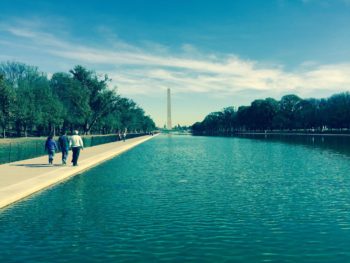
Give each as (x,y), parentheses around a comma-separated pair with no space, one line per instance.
(24,189)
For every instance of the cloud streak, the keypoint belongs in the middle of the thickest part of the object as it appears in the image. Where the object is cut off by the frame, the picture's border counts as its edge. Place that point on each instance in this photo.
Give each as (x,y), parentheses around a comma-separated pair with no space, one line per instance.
(149,70)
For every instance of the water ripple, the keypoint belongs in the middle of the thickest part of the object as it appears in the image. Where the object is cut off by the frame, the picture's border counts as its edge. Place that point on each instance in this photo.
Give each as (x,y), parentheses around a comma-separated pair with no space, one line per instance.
(191,199)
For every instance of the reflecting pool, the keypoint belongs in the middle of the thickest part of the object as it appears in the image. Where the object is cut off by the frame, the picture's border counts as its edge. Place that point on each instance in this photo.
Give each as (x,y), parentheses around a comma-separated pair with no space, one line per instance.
(192,199)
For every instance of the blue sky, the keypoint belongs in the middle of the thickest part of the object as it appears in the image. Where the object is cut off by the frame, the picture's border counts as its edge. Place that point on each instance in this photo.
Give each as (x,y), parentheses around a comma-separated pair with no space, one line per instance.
(212,54)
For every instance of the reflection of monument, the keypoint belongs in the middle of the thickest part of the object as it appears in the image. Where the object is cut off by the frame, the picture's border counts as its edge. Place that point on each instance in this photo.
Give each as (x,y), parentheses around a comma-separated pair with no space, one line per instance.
(169,126)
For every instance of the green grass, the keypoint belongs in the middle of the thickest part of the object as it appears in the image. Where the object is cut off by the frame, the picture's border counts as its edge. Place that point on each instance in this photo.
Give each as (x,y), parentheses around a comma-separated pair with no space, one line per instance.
(15,149)
(30,139)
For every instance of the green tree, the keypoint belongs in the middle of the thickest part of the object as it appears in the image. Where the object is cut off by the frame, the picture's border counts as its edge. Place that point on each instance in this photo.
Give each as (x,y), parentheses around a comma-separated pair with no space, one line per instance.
(50,107)
(101,99)
(262,113)
(74,99)
(243,117)
(213,123)
(307,117)
(80,100)
(229,119)
(26,83)
(289,107)
(6,104)
(338,108)
(14,72)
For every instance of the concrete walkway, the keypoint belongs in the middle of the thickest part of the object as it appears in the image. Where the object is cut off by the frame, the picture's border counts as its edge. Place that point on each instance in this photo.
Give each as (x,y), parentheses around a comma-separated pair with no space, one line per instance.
(23,178)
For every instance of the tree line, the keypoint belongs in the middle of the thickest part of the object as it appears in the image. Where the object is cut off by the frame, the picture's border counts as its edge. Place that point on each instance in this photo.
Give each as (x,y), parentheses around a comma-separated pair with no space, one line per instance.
(33,104)
(288,114)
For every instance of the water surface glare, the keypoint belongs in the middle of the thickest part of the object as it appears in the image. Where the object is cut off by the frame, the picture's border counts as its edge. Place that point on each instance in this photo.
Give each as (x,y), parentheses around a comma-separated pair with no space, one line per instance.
(191,199)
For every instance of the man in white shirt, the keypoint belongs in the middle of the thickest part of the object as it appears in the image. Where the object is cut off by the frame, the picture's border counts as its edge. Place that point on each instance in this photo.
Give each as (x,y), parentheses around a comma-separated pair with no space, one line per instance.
(76,143)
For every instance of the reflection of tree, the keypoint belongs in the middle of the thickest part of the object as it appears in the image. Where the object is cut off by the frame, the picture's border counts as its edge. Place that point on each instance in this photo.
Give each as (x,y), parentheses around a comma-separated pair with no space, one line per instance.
(339,144)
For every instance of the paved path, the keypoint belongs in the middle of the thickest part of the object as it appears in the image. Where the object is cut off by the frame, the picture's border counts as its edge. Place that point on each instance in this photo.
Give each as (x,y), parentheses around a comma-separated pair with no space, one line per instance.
(23,178)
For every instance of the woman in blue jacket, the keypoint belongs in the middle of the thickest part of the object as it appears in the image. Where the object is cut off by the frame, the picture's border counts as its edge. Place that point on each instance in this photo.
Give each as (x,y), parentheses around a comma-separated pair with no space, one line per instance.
(51,148)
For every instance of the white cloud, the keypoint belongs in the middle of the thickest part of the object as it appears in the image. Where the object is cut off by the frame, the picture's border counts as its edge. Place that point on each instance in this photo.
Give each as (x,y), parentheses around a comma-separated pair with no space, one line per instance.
(190,49)
(152,68)
(326,3)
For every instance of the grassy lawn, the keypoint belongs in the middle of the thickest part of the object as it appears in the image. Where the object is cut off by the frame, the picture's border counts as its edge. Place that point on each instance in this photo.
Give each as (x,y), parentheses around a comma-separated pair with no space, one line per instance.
(30,139)
(20,140)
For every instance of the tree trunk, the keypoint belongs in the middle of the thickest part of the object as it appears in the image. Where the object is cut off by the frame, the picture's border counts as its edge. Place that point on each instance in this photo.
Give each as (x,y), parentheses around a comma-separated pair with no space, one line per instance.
(18,129)
(86,128)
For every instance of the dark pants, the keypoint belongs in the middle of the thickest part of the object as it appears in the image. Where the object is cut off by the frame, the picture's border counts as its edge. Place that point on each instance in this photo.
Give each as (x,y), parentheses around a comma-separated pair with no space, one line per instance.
(76,152)
(64,155)
(51,155)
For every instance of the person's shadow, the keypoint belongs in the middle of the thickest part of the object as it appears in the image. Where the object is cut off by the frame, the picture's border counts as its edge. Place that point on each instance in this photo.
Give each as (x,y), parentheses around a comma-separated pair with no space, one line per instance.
(36,165)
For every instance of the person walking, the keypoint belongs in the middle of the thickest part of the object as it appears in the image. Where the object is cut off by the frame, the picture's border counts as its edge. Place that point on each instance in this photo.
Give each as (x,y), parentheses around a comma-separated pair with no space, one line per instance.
(76,143)
(51,148)
(63,144)
(124,135)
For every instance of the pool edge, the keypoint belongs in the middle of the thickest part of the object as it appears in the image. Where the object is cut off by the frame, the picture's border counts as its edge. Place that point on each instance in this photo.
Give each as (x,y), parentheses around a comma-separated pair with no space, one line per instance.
(19,191)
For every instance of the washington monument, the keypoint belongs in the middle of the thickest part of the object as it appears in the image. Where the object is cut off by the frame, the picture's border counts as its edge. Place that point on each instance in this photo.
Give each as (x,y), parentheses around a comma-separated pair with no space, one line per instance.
(169,126)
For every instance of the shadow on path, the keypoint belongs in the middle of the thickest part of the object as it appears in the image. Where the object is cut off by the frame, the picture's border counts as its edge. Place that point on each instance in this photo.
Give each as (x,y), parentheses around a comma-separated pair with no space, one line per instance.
(36,165)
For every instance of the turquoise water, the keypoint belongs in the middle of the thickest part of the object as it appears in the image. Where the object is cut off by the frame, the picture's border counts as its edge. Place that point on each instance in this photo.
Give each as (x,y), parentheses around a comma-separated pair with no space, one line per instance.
(192,199)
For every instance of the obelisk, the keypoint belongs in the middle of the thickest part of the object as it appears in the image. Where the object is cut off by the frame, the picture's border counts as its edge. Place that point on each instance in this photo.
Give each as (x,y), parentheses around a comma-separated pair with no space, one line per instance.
(169,126)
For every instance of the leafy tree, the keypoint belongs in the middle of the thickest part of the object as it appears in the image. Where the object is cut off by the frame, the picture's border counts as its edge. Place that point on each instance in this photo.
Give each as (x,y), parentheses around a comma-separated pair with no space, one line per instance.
(243,117)
(229,119)
(339,108)
(50,107)
(74,99)
(291,112)
(197,127)
(289,106)
(270,109)
(81,99)
(101,99)
(148,124)
(25,108)
(262,113)
(307,116)
(28,86)
(6,104)
(213,122)
(15,72)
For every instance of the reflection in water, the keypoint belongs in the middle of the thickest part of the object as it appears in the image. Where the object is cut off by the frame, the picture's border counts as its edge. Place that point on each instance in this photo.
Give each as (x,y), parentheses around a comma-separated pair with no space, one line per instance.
(193,199)
(338,144)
